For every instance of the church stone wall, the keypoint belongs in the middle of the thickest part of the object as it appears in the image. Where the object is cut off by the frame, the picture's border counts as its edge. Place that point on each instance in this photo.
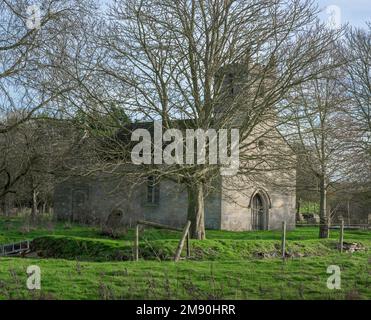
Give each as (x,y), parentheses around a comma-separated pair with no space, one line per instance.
(103,195)
(236,211)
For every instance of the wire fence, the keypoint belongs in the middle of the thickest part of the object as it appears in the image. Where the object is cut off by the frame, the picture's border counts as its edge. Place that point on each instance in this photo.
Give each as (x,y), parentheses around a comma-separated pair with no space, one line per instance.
(333,226)
(283,232)
(341,227)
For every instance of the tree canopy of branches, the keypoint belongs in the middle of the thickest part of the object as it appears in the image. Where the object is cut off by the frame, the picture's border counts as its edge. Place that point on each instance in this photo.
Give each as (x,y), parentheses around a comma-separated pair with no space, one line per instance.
(357,51)
(319,133)
(27,57)
(216,64)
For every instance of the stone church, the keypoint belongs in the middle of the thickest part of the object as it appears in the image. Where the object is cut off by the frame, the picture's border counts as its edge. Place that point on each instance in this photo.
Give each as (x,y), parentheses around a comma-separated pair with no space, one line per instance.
(260,202)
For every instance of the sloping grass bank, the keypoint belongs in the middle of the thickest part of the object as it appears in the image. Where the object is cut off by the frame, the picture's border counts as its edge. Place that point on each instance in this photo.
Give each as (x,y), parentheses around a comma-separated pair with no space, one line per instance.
(80,248)
(106,250)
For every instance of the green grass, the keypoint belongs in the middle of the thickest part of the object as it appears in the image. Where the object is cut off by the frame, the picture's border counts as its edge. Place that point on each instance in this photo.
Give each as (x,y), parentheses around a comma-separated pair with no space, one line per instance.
(14,229)
(228,265)
(303,278)
(307,207)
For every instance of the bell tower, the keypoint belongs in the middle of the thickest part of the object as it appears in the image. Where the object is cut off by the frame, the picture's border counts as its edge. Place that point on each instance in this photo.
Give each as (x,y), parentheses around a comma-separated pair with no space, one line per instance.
(231,82)
(240,87)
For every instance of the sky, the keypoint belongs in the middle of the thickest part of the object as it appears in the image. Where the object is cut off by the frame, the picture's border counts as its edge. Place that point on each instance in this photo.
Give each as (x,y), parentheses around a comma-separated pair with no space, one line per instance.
(354,12)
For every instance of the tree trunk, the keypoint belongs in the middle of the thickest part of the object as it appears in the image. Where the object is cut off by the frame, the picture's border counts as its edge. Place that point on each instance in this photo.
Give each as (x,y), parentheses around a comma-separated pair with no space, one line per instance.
(4,206)
(298,205)
(323,218)
(34,205)
(196,211)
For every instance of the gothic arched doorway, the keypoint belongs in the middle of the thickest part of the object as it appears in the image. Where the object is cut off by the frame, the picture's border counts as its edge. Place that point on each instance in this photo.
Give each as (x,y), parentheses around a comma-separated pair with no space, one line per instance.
(259,213)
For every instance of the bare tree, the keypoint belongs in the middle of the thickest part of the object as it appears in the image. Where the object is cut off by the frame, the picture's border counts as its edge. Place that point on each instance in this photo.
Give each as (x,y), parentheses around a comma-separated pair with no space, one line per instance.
(322,133)
(357,51)
(32,155)
(28,38)
(15,163)
(195,64)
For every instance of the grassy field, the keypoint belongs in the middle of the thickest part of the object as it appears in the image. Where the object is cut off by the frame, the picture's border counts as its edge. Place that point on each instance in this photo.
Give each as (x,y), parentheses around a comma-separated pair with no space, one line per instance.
(309,207)
(82,264)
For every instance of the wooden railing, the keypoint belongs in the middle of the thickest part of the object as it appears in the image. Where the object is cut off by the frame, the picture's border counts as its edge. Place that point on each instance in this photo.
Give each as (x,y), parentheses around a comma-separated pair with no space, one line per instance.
(14,248)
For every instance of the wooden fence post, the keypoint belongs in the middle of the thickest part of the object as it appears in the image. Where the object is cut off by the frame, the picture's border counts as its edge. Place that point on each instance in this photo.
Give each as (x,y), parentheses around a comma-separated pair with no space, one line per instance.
(188,245)
(283,240)
(181,242)
(341,239)
(136,243)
